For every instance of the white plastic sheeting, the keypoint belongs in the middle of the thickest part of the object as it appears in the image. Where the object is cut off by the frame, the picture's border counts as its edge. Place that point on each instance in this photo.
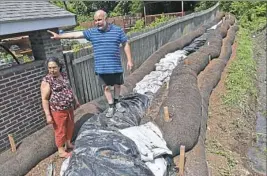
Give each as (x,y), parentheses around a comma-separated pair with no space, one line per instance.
(153,81)
(215,26)
(64,166)
(151,145)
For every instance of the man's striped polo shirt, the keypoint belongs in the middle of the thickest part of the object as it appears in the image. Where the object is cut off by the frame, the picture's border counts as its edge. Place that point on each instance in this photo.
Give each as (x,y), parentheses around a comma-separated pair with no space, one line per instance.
(106,45)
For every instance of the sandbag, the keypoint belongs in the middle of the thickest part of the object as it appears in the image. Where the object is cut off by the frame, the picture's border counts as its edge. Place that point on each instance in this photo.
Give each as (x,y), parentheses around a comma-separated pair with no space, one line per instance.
(100,149)
(207,80)
(149,64)
(184,103)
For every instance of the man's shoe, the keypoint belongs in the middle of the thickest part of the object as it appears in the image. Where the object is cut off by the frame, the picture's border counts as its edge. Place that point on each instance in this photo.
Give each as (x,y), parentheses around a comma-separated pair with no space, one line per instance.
(110,112)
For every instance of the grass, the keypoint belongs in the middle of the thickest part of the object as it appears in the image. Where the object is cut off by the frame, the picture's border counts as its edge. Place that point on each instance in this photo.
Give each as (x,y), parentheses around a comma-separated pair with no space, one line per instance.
(215,147)
(240,82)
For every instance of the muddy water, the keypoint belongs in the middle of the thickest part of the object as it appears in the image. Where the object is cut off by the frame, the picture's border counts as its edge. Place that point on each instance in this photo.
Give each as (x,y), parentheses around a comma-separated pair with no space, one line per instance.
(257,154)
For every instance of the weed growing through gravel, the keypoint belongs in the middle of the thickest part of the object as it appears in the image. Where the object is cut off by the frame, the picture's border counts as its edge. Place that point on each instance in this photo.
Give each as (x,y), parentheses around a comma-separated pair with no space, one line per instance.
(240,83)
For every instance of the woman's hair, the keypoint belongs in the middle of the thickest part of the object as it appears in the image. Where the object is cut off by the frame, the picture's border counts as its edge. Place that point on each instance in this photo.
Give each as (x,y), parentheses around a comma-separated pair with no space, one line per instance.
(53,59)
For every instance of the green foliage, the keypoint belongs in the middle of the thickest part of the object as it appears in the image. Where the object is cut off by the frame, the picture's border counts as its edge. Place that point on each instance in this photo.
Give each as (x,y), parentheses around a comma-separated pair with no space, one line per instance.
(215,147)
(240,84)
(242,72)
(83,18)
(58,3)
(127,7)
(122,8)
(79,28)
(250,14)
(6,58)
(203,5)
(139,25)
(78,7)
(162,19)
(136,7)
(26,59)
(77,47)
(85,7)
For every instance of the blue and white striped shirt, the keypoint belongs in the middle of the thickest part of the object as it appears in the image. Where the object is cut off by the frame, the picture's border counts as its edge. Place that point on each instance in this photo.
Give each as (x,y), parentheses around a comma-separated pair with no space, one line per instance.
(106,45)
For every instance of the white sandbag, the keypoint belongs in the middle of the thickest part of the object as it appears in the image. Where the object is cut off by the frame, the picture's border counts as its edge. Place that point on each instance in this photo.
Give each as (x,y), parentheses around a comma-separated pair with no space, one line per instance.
(158,166)
(153,81)
(150,144)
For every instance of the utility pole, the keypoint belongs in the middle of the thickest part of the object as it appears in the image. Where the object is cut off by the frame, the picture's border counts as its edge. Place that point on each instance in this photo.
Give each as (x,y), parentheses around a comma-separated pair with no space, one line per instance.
(145,13)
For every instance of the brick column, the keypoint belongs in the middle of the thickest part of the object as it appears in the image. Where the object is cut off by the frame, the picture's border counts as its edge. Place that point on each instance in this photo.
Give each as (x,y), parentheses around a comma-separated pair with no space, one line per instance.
(43,46)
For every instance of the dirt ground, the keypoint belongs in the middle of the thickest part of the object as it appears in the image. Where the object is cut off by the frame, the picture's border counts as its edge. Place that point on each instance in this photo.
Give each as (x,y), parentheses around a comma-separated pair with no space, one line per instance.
(230,132)
(229,135)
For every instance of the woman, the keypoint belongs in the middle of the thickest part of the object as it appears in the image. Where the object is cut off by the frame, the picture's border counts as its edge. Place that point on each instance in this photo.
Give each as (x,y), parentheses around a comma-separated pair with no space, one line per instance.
(58,103)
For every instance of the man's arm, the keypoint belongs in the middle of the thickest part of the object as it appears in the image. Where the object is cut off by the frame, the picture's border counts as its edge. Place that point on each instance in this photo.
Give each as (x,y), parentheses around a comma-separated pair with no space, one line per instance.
(70,35)
(127,50)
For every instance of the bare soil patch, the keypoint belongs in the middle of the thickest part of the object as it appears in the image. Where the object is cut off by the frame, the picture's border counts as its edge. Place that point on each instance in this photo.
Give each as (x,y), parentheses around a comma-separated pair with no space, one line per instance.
(229,133)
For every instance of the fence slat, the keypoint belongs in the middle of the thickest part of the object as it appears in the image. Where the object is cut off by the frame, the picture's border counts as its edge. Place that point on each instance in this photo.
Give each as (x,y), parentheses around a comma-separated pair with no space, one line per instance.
(85,81)
(68,58)
(80,82)
(88,80)
(83,58)
(93,80)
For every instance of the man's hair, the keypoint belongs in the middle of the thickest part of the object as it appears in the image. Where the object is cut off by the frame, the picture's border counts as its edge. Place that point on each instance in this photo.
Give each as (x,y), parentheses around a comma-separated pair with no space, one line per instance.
(101,12)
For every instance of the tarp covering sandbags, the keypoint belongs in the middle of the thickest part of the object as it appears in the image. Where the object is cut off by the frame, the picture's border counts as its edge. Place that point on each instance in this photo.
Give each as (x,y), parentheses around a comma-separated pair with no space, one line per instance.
(104,145)
(100,149)
(200,41)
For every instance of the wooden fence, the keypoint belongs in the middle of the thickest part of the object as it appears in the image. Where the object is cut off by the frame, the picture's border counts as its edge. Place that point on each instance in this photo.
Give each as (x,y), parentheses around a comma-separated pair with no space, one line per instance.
(80,67)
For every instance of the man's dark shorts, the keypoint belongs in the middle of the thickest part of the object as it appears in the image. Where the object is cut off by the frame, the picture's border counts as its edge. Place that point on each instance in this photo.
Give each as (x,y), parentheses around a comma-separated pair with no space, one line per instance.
(110,79)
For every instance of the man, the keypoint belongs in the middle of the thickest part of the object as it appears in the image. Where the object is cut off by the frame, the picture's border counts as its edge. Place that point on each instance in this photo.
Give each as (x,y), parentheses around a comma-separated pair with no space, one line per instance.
(106,39)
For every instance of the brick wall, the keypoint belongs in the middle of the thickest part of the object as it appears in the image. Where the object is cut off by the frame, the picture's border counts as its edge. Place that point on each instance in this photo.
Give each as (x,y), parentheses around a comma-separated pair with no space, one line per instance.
(20,101)
(43,46)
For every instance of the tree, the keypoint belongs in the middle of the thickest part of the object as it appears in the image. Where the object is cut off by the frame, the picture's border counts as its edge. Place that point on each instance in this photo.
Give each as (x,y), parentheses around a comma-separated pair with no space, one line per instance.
(203,5)
(137,6)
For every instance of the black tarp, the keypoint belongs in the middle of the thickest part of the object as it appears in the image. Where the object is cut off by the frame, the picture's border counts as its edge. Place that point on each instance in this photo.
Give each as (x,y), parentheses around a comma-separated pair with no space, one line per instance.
(101,150)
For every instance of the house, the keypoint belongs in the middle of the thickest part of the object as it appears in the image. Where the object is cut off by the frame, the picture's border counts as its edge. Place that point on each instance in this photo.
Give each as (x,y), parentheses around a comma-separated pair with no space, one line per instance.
(33,18)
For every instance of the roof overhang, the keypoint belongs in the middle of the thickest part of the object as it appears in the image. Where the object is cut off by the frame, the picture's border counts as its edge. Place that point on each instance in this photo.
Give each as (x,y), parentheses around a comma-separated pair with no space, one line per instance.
(21,26)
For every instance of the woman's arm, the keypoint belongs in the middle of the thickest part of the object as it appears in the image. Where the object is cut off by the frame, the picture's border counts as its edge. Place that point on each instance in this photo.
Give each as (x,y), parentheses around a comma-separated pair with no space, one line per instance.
(45,94)
(77,103)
